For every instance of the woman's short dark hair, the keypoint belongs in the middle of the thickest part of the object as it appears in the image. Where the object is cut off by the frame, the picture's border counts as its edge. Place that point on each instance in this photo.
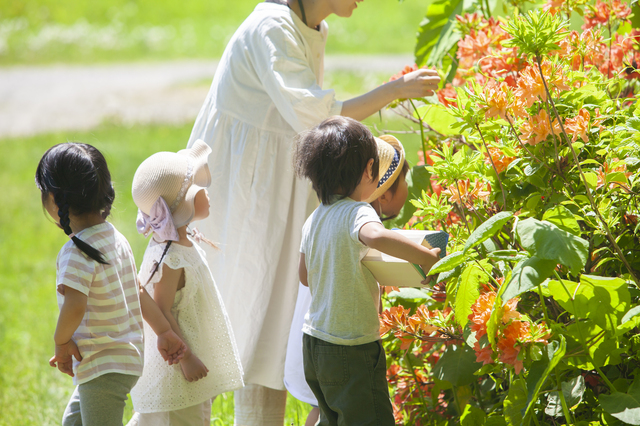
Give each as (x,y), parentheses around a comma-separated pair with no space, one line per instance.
(77,176)
(334,155)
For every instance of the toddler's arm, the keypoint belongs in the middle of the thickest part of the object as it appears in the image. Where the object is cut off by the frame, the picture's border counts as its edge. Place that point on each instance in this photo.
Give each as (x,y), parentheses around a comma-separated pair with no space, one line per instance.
(170,346)
(302,271)
(376,236)
(164,294)
(71,314)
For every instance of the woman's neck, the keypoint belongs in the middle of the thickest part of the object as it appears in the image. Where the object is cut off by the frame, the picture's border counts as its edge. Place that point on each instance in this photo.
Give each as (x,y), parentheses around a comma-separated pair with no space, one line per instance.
(84,221)
(315,11)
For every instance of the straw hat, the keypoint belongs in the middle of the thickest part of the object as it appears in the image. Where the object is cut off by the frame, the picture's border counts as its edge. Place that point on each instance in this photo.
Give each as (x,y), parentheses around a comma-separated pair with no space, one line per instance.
(176,177)
(391,155)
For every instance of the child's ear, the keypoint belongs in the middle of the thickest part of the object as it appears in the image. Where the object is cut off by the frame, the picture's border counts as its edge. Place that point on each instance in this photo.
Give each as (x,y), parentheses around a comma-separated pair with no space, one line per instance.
(369,169)
(385,198)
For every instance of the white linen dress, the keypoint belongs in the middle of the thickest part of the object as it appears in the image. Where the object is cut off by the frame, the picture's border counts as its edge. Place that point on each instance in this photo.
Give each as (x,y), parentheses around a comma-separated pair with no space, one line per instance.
(267,88)
(202,319)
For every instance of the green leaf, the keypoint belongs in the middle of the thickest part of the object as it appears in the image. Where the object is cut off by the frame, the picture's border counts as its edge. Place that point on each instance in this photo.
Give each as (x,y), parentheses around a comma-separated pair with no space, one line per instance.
(468,292)
(448,262)
(592,179)
(547,241)
(495,421)
(509,255)
(630,320)
(435,34)
(409,293)
(572,391)
(439,119)
(472,416)
(457,365)
(526,275)
(602,349)
(602,299)
(563,219)
(555,352)
(624,406)
(488,229)
(515,403)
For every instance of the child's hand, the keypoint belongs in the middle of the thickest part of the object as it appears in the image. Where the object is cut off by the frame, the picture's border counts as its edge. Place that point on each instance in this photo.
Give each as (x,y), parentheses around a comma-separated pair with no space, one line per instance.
(171,347)
(62,357)
(192,368)
(435,254)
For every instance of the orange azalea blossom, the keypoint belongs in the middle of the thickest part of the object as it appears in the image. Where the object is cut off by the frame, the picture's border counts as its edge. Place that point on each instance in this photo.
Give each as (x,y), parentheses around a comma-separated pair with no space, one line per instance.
(467,194)
(553,6)
(496,98)
(447,96)
(481,312)
(536,128)
(531,87)
(393,318)
(500,160)
(483,355)
(604,11)
(578,125)
(606,170)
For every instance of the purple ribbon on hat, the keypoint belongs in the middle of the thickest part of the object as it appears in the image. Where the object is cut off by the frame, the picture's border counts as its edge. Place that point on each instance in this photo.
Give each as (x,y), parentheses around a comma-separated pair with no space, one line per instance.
(159,221)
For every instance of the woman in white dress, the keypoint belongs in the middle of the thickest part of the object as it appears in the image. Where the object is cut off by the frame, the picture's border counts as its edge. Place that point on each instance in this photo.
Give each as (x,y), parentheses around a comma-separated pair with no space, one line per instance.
(268,88)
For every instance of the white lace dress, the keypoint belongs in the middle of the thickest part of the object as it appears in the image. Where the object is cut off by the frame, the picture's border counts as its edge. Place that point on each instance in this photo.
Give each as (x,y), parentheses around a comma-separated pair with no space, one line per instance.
(204,323)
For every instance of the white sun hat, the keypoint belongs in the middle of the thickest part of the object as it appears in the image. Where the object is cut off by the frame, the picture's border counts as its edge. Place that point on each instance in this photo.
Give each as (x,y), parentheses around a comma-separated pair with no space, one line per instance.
(176,177)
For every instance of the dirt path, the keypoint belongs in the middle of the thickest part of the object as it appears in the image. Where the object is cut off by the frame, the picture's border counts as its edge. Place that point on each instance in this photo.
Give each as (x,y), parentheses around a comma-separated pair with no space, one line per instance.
(66,97)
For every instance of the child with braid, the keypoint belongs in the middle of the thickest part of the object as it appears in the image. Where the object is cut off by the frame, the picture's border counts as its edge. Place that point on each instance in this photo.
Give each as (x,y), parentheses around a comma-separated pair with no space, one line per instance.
(101,304)
(169,189)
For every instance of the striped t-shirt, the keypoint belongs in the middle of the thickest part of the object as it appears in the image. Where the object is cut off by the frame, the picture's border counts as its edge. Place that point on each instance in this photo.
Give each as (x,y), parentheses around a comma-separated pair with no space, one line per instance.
(110,335)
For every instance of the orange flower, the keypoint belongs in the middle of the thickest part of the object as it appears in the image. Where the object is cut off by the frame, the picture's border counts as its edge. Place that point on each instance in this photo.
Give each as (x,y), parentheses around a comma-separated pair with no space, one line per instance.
(553,6)
(606,170)
(447,96)
(578,125)
(531,87)
(536,128)
(466,194)
(483,355)
(497,99)
(500,160)
(393,318)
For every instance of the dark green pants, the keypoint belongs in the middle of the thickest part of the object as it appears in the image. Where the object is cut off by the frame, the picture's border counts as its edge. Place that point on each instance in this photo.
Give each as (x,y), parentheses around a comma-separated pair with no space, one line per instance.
(349,382)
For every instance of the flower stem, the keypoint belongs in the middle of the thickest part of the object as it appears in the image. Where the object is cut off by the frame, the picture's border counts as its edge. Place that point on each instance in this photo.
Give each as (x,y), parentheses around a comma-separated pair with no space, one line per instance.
(504,197)
(610,237)
(565,407)
(424,145)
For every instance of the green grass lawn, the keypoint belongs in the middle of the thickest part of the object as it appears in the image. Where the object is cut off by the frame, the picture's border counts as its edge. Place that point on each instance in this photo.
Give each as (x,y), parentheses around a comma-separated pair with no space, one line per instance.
(31,392)
(41,31)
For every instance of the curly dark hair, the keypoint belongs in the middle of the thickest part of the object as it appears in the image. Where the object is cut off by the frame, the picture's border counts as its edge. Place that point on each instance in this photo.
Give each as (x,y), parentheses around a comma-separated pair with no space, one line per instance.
(334,155)
(77,176)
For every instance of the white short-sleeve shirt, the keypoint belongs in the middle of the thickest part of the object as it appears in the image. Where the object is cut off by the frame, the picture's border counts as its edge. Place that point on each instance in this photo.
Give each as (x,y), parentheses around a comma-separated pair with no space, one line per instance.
(345,295)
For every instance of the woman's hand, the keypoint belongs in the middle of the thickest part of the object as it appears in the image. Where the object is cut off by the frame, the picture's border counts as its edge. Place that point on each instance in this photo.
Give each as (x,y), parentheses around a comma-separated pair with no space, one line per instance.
(62,357)
(192,368)
(417,84)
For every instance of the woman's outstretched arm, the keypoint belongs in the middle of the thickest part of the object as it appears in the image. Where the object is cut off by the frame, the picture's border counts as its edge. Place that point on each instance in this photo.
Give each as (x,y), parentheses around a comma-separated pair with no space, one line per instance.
(416,84)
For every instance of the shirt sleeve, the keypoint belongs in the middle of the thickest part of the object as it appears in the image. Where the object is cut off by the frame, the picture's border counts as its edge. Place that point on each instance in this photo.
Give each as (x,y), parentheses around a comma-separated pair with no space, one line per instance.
(305,236)
(75,270)
(362,215)
(284,70)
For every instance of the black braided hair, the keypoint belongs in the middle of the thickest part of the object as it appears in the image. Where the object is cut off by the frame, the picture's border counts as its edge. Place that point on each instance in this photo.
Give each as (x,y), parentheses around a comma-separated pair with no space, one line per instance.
(166,249)
(77,176)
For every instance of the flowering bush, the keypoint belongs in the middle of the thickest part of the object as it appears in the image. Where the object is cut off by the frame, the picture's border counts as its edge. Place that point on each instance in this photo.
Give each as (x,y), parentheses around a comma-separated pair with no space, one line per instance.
(530,152)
